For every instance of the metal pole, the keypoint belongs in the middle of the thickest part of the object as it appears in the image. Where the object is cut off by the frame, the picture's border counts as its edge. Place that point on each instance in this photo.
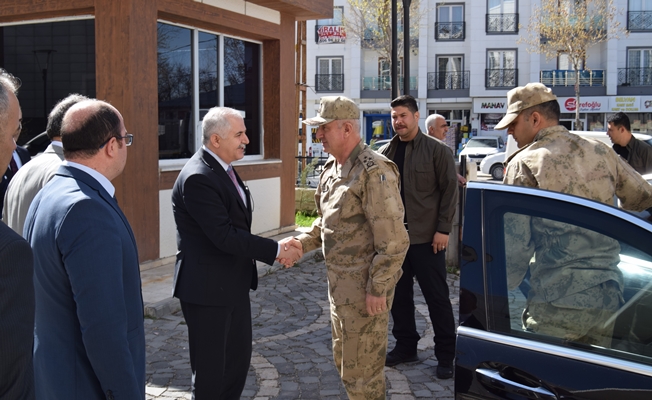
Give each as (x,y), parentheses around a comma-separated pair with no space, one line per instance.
(406,46)
(394,49)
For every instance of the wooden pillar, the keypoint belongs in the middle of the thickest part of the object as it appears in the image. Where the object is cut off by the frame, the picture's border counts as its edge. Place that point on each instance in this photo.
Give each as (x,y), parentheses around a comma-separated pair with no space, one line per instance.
(126,73)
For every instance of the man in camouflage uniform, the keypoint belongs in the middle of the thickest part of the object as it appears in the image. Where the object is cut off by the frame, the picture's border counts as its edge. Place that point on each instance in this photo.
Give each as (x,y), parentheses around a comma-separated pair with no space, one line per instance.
(360,229)
(576,285)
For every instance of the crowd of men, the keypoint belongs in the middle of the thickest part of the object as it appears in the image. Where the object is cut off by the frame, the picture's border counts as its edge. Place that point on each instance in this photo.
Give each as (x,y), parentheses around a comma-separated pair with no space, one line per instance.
(71,310)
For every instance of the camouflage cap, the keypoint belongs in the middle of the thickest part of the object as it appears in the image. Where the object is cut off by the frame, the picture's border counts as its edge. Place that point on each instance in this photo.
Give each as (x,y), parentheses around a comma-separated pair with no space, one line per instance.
(332,108)
(524,97)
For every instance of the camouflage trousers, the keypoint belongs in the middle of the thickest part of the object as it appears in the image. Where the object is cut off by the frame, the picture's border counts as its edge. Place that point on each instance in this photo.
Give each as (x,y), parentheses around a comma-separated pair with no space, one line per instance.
(359,350)
(583,317)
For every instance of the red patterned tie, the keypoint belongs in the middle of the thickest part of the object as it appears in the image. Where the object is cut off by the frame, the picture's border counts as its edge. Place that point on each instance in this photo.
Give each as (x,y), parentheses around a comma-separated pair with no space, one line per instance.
(13,165)
(235,182)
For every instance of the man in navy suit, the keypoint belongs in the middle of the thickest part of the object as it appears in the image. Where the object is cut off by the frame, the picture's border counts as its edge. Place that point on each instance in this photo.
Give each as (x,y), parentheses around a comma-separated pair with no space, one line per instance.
(215,264)
(16,272)
(89,341)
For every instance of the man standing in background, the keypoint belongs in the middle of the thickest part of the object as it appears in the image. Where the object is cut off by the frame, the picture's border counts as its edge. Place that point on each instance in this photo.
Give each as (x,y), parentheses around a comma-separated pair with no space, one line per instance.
(437,127)
(636,152)
(429,192)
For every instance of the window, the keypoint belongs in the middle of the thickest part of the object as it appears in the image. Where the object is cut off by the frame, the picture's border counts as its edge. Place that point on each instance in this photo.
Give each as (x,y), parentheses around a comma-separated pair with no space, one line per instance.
(227,74)
(385,73)
(338,12)
(501,69)
(330,77)
(639,67)
(450,22)
(502,16)
(52,60)
(450,72)
(564,62)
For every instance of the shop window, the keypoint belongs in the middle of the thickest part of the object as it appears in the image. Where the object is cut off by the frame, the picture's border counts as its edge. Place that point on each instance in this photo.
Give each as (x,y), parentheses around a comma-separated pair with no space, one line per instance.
(228,74)
(52,60)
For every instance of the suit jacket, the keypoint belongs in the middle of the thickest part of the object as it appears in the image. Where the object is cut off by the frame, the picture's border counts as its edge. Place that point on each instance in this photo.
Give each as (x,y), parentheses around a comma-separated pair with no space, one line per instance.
(216,250)
(16,316)
(24,156)
(89,336)
(26,184)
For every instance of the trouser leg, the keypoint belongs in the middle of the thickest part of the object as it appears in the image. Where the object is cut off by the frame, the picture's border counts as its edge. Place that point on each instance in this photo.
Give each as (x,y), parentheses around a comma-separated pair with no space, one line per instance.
(405,328)
(430,270)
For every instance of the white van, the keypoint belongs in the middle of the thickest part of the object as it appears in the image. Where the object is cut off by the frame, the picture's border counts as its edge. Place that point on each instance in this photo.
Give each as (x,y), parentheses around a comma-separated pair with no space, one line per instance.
(478,147)
(494,164)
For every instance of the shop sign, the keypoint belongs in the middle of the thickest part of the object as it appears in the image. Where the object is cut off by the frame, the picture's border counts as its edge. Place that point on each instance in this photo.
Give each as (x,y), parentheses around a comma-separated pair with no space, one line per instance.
(625,104)
(587,104)
(646,104)
(495,105)
(331,34)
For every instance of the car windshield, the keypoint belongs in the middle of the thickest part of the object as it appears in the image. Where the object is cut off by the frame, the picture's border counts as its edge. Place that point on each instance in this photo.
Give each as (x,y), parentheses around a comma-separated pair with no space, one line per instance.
(491,143)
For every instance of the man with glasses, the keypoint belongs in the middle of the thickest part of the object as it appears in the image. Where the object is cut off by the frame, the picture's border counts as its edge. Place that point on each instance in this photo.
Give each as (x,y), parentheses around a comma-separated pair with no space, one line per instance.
(89,334)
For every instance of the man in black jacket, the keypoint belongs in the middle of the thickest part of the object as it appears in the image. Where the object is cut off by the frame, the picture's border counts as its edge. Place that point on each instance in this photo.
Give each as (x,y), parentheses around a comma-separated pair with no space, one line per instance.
(636,152)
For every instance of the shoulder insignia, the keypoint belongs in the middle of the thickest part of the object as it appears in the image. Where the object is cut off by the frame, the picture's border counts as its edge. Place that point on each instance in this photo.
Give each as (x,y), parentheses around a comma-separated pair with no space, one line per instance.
(367,160)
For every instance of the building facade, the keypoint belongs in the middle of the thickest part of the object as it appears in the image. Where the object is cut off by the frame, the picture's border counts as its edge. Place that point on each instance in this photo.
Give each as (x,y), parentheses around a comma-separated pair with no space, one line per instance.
(163,64)
(466,57)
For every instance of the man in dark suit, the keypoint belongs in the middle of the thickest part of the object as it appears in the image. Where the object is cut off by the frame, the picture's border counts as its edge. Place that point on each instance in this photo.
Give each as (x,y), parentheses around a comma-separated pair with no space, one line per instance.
(215,264)
(89,336)
(16,271)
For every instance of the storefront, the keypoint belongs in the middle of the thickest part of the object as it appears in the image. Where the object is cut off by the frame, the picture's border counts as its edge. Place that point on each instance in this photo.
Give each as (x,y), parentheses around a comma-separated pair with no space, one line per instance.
(594,112)
(163,64)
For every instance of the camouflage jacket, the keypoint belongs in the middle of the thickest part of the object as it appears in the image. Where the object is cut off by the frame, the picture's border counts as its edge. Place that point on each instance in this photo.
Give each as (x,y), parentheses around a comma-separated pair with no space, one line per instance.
(360,226)
(567,259)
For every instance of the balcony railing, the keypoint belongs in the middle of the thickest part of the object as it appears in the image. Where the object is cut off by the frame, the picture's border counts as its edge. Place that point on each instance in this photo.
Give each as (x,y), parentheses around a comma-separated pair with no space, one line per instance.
(561,77)
(450,30)
(385,82)
(501,78)
(329,82)
(448,80)
(635,76)
(502,23)
(639,21)
(330,34)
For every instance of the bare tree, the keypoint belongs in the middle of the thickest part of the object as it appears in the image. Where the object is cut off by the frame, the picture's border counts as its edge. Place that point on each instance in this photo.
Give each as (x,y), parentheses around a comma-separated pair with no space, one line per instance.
(571,27)
(370,23)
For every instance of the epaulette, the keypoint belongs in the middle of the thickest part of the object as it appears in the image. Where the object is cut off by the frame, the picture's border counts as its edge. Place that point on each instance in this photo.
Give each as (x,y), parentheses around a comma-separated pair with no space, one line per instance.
(367,159)
(517,152)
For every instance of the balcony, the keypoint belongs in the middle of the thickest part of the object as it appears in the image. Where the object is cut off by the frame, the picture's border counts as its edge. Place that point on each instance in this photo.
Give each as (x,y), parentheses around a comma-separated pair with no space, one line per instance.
(501,78)
(501,23)
(450,30)
(639,21)
(635,76)
(560,77)
(327,34)
(448,80)
(329,82)
(385,82)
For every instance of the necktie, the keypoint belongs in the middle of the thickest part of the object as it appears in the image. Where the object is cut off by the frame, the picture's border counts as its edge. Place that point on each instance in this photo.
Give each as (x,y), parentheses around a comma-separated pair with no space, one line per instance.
(235,182)
(13,165)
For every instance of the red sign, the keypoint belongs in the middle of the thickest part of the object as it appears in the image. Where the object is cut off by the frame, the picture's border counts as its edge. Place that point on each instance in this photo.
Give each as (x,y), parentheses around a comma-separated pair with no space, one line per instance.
(570,104)
(331,34)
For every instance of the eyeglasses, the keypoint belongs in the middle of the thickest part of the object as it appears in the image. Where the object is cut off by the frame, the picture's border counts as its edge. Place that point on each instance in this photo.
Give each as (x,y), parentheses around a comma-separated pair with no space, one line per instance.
(128,138)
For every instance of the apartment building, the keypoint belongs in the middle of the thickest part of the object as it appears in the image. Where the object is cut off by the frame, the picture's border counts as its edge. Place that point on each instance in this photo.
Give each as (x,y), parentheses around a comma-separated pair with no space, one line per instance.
(467,59)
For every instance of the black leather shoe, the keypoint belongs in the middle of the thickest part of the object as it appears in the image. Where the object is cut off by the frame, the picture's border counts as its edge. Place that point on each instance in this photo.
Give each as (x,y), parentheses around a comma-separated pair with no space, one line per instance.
(444,372)
(396,357)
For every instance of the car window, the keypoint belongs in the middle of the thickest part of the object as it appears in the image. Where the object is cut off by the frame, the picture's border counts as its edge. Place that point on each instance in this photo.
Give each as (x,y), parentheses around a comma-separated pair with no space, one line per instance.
(568,274)
(475,142)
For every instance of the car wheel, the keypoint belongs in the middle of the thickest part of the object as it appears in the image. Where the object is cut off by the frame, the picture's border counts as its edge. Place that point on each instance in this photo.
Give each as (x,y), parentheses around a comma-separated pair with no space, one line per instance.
(497,172)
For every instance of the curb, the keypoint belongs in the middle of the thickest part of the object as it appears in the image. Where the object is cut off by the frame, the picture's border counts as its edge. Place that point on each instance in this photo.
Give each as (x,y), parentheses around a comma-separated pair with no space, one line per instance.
(171,305)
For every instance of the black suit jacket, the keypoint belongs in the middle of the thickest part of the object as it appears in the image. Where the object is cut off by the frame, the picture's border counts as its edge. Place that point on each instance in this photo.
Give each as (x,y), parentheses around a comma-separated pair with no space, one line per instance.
(216,250)
(24,156)
(16,316)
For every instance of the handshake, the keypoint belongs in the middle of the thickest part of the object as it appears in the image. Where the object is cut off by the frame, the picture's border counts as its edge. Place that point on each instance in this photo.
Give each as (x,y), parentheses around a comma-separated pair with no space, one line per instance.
(291,251)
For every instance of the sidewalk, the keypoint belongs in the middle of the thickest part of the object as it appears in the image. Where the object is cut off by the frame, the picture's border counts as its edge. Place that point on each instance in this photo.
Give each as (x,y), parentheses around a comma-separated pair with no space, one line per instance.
(157,277)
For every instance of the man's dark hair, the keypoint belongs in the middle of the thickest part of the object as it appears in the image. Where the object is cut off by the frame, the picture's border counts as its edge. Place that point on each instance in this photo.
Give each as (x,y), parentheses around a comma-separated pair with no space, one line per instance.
(405,101)
(550,110)
(84,139)
(620,119)
(56,115)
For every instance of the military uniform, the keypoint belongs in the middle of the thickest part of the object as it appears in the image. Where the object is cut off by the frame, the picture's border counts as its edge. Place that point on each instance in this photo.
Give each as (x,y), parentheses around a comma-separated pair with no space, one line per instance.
(576,285)
(361,232)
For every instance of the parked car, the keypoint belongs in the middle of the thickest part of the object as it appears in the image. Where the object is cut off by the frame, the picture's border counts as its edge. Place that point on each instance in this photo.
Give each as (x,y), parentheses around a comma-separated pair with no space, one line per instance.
(496,357)
(377,144)
(479,147)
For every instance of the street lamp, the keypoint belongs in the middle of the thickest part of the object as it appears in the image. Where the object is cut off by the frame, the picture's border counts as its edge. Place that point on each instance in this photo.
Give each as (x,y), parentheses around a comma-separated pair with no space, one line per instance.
(47,53)
(406,47)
